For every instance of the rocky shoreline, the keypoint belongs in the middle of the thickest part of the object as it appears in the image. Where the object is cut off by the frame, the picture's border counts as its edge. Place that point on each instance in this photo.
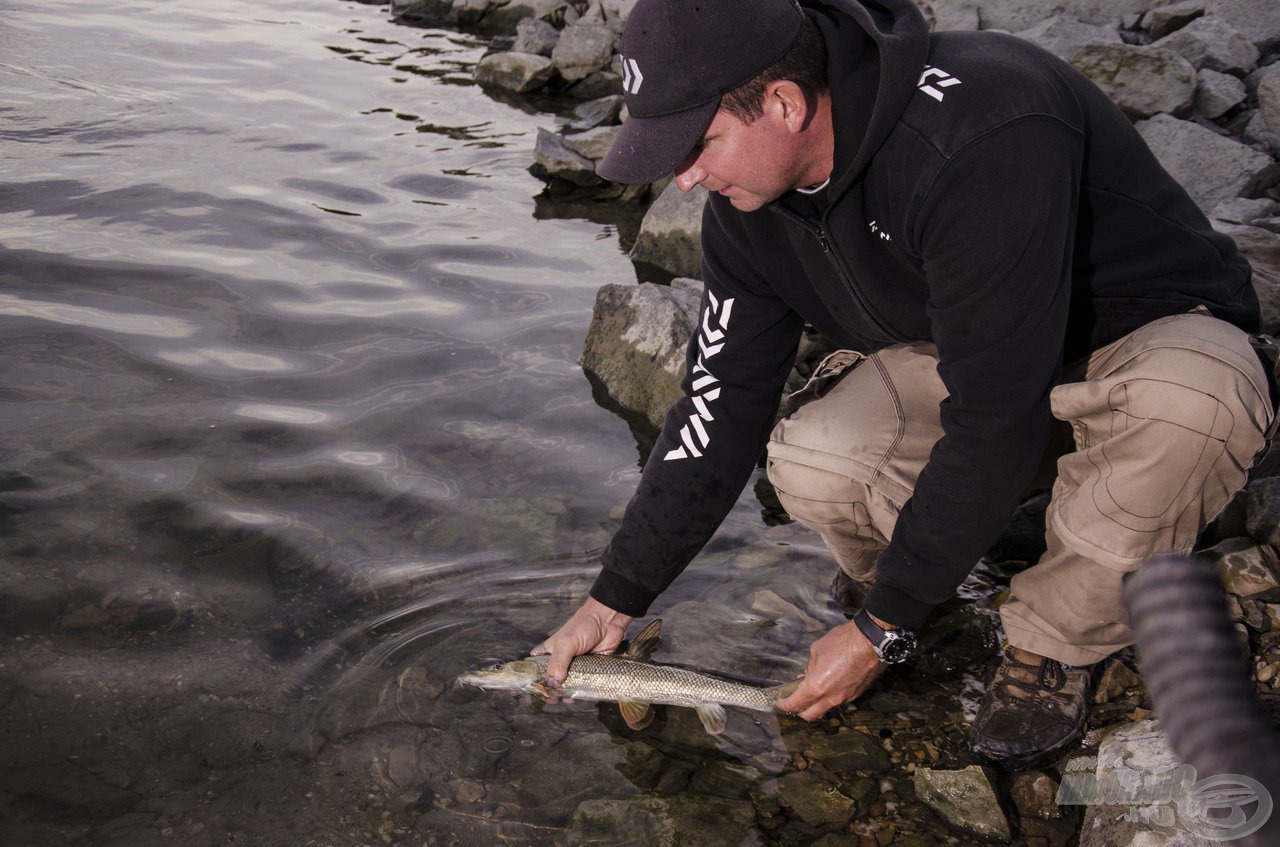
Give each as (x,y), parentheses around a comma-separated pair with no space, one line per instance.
(1201,81)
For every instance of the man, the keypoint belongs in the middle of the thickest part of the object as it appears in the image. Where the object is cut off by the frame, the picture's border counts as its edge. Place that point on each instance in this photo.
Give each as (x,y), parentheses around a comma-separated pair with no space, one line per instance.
(999,252)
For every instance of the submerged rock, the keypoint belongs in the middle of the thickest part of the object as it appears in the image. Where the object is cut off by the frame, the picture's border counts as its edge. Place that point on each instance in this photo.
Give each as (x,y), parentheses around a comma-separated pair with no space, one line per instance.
(823,805)
(660,820)
(636,343)
(966,799)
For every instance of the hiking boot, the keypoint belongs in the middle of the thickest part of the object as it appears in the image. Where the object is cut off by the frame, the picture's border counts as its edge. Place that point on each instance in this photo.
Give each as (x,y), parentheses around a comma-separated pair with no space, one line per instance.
(848,594)
(1033,708)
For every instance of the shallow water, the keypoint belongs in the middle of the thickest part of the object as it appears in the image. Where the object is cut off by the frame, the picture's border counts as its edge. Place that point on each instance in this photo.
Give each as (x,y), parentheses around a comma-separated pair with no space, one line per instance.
(294,431)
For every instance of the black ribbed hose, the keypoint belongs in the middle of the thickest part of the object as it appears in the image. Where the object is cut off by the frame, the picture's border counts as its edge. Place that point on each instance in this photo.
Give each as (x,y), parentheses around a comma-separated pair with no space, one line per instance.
(1198,679)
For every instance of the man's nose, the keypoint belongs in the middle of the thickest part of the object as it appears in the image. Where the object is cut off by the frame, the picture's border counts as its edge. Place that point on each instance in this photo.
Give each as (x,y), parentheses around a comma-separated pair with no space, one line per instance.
(689,173)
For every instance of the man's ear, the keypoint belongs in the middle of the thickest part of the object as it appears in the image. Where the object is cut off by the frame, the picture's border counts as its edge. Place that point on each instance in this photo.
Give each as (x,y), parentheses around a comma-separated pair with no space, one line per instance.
(790,104)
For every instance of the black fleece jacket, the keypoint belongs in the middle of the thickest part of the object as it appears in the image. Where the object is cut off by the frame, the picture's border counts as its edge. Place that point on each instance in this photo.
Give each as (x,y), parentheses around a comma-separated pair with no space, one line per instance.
(986,197)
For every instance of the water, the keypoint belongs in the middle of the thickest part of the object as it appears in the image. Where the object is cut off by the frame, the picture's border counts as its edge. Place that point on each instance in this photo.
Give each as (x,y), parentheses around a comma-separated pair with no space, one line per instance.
(294,432)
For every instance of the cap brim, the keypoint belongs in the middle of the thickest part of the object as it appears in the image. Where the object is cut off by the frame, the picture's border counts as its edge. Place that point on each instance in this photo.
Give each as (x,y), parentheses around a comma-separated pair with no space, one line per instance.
(647,149)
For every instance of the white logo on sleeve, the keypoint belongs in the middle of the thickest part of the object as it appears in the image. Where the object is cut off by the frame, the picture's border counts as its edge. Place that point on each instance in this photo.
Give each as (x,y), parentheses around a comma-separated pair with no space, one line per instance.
(933,79)
(706,388)
(631,76)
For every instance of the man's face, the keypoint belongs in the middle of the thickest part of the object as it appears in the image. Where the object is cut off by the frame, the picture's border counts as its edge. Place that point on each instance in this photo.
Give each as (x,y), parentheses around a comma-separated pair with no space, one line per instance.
(751,164)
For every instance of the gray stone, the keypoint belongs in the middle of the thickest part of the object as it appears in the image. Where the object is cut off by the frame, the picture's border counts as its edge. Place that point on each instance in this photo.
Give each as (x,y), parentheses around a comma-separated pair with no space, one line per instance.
(1209,42)
(1244,210)
(616,12)
(430,12)
(1163,20)
(1259,131)
(1116,679)
(1217,93)
(583,49)
(519,72)
(1261,247)
(506,17)
(466,12)
(636,344)
(671,232)
(1258,19)
(966,799)
(823,805)
(1127,757)
(1065,35)
(660,820)
(1244,567)
(1212,168)
(599,112)
(1268,94)
(1143,81)
(554,157)
(1016,15)
(536,37)
(593,143)
(951,16)
(596,85)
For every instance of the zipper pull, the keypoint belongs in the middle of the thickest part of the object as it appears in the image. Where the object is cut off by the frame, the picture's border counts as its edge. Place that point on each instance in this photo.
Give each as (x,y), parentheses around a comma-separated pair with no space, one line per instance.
(822,239)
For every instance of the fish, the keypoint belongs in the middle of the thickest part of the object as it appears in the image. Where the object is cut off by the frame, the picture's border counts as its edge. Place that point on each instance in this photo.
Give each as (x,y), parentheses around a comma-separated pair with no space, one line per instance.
(634,683)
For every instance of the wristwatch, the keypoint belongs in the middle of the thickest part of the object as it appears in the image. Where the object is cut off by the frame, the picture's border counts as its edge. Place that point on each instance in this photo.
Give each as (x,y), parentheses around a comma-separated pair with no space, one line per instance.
(891,645)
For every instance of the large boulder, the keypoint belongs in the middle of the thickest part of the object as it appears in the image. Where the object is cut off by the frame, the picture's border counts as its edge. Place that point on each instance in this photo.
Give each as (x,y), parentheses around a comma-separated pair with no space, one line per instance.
(1066,35)
(1143,81)
(519,72)
(1015,15)
(637,340)
(1210,42)
(1217,93)
(554,158)
(966,799)
(535,36)
(583,49)
(1257,19)
(671,232)
(1163,20)
(1211,167)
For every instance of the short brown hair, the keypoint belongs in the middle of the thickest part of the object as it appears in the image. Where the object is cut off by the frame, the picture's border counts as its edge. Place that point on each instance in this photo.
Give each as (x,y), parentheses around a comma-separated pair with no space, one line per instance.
(805,64)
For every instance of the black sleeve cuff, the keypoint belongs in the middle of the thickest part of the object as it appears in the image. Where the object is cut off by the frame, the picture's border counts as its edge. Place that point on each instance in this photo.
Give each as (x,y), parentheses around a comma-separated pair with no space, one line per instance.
(894,606)
(621,594)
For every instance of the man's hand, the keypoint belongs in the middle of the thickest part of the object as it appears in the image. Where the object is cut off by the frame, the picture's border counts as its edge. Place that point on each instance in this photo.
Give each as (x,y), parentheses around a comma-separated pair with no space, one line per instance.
(842,664)
(594,628)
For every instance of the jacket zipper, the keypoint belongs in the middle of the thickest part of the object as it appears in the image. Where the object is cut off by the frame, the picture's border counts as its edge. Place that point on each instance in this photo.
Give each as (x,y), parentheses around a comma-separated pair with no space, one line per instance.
(817,229)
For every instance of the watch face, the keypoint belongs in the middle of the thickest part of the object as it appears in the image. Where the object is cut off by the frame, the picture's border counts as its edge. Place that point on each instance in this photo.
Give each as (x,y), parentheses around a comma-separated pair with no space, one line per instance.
(897,648)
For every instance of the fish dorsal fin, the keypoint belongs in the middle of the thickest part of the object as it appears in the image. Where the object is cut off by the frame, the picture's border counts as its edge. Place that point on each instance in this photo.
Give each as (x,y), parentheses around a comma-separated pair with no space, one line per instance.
(713,717)
(642,645)
(636,713)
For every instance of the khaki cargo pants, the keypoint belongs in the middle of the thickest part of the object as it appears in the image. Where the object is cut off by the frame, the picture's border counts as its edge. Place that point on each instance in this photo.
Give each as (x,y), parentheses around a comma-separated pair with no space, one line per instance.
(1166,423)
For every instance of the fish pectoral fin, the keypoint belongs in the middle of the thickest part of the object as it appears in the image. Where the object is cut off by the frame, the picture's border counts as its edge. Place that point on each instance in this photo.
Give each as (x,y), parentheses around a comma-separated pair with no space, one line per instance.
(637,713)
(642,645)
(713,717)
(542,691)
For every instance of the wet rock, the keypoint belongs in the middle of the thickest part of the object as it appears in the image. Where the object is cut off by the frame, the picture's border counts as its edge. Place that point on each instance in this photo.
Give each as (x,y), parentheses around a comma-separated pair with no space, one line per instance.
(822,805)
(636,343)
(671,233)
(535,37)
(583,49)
(71,787)
(1217,93)
(1244,567)
(518,72)
(1209,42)
(553,158)
(1143,81)
(429,12)
(1163,20)
(659,820)
(1212,168)
(505,17)
(598,112)
(597,85)
(551,783)
(966,799)
(1033,794)
(593,143)
(1116,678)
(731,780)
(31,605)
(845,752)
(1259,21)
(957,641)
(768,603)
(1066,35)
(1262,510)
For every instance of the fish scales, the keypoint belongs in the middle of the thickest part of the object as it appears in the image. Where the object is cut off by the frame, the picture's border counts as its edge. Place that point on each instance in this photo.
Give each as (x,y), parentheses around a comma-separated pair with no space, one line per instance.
(599,677)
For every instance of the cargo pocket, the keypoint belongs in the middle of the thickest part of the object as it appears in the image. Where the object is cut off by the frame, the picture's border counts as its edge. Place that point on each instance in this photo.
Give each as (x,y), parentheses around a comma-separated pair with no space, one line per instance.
(835,367)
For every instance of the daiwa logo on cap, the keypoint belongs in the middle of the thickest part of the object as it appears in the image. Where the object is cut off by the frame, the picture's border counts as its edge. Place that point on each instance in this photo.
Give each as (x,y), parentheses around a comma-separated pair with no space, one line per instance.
(631,76)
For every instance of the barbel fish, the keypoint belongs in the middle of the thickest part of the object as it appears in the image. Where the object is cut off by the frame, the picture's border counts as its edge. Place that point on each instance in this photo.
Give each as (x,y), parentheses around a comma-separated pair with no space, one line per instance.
(634,683)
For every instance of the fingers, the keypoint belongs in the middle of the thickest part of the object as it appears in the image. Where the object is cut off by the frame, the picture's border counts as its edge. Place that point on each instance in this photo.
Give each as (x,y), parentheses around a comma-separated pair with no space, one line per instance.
(558,668)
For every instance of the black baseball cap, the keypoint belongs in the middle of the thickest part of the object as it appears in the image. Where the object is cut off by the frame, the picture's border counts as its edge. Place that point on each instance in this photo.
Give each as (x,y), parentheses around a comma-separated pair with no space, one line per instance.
(679,57)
